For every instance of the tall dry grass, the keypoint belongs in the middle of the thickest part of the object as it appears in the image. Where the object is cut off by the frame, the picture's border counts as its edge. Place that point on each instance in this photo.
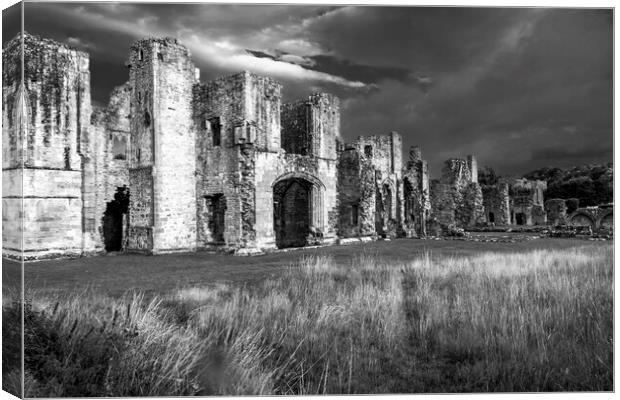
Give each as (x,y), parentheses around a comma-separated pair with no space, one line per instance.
(539,321)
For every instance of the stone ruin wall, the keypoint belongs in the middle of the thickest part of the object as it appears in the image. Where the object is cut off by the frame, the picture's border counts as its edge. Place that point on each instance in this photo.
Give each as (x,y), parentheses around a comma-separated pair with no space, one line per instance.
(444,208)
(162,77)
(15,105)
(527,199)
(457,197)
(416,194)
(496,203)
(556,212)
(58,210)
(351,188)
(223,193)
(314,160)
(370,183)
(248,110)
(111,132)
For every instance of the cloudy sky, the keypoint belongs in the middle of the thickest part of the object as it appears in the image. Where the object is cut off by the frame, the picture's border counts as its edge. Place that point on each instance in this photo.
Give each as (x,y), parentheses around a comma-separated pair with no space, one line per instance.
(519,88)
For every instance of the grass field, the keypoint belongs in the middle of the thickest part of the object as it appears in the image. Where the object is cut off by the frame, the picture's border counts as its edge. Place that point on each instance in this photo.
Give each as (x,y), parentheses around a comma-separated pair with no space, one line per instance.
(531,319)
(153,275)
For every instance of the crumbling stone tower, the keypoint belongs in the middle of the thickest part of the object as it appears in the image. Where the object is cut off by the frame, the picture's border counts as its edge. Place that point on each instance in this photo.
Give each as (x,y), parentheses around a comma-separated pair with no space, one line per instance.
(162,211)
(496,203)
(416,194)
(52,109)
(457,196)
(527,206)
(370,187)
(238,120)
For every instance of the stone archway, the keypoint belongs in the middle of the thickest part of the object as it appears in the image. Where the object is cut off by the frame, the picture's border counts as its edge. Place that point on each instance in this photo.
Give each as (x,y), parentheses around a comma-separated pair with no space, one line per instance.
(607,221)
(581,219)
(297,209)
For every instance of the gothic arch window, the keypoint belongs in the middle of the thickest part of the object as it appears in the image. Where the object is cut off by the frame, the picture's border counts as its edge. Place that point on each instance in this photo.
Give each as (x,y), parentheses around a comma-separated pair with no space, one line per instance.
(21,115)
(21,110)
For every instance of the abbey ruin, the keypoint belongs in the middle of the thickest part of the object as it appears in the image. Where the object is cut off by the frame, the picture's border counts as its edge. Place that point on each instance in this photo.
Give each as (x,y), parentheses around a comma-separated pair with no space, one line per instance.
(221,165)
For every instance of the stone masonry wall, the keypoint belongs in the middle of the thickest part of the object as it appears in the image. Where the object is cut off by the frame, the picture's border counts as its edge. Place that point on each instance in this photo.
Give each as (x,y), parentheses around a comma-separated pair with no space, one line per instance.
(57,205)
(497,202)
(247,110)
(416,194)
(459,180)
(372,185)
(312,126)
(556,211)
(15,112)
(350,193)
(110,129)
(527,199)
(162,78)
(205,162)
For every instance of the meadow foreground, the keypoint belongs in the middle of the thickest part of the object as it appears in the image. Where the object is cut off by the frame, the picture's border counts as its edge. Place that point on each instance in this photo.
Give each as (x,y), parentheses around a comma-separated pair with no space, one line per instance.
(536,321)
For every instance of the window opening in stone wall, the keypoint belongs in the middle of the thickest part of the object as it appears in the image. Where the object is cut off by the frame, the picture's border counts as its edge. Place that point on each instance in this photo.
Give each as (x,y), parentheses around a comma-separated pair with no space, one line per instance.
(67,158)
(139,97)
(249,136)
(119,149)
(368,151)
(354,214)
(160,56)
(491,217)
(138,155)
(147,119)
(387,208)
(216,130)
(216,210)
(140,55)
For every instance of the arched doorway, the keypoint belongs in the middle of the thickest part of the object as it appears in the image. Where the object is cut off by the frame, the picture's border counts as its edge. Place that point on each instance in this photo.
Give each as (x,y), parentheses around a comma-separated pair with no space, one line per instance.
(113,220)
(292,212)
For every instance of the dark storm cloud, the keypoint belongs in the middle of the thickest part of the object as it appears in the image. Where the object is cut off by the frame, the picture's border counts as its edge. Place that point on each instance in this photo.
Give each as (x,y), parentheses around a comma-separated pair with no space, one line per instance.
(520,88)
(11,22)
(569,153)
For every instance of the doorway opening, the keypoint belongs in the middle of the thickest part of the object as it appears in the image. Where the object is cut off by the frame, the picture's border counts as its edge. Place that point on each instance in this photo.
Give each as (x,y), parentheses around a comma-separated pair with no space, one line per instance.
(292,212)
(112,221)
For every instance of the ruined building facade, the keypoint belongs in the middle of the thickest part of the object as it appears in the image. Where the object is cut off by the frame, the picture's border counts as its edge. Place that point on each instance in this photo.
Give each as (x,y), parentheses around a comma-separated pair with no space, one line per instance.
(174,164)
(457,197)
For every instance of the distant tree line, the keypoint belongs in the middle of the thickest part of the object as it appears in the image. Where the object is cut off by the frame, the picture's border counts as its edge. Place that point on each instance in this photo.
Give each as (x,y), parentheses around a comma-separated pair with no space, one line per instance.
(581,186)
(591,184)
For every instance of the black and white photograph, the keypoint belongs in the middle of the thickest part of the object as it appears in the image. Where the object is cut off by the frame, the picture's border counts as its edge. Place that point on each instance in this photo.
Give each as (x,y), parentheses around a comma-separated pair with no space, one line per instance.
(229,199)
